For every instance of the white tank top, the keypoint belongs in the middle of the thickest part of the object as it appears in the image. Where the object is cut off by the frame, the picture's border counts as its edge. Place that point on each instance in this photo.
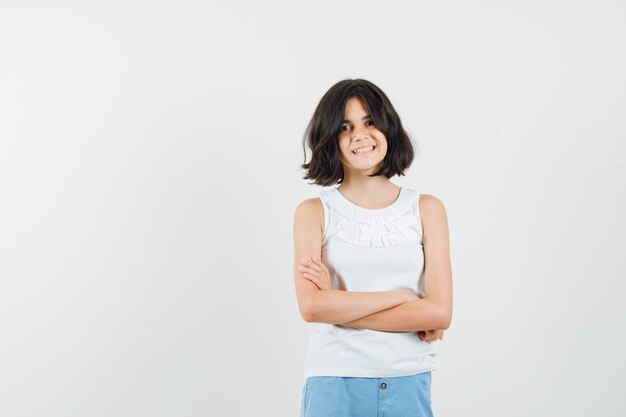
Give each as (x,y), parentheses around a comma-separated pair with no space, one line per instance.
(371,250)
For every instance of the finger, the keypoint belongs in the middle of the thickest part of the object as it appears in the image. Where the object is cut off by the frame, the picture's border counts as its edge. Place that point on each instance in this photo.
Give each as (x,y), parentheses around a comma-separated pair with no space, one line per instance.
(315,280)
(307,269)
(310,274)
(322,274)
(319,262)
(311,265)
(308,262)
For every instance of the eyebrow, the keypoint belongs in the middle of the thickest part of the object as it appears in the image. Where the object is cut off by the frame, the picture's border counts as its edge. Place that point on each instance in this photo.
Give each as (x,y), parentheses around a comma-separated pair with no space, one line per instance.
(367,116)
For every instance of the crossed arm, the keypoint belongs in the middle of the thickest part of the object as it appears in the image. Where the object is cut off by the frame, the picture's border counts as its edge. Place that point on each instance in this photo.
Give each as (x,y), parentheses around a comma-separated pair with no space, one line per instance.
(409,316)
(399,311)
(396,311)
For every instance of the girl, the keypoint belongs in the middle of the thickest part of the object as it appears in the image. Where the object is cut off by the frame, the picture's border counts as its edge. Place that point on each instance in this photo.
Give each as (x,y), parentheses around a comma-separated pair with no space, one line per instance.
(371,265)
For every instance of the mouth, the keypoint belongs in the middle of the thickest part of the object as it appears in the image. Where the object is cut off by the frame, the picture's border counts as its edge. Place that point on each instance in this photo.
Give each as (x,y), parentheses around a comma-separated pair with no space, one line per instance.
(364,151)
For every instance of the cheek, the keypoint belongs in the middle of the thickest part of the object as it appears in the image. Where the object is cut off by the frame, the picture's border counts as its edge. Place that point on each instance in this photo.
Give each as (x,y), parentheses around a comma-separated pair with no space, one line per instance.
(344,147)
(381,137)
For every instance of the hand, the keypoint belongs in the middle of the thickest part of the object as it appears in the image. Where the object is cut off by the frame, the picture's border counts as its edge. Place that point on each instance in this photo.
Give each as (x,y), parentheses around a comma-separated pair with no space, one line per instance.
(315,271)
(430,335)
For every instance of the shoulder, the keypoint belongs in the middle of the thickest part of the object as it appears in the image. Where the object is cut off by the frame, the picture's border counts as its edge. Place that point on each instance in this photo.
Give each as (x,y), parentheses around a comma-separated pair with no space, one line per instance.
(309,217)
(309,206)
(430,203)
(309,210)
(432,211)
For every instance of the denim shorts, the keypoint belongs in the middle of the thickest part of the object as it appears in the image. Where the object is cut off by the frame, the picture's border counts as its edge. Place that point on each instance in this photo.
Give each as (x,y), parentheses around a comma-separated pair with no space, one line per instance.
(337,396)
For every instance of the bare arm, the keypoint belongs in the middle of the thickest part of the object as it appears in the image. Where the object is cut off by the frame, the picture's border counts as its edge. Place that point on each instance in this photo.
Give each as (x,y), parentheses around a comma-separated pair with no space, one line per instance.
(434,311)
(330,306)
(411,316)
(337,306)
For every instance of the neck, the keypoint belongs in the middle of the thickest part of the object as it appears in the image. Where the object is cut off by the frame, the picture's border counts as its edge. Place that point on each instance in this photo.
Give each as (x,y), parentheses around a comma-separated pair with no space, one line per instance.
(369,191)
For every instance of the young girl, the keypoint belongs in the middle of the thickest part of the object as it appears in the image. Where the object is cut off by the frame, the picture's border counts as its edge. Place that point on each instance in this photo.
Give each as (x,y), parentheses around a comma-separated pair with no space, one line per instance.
(371,265)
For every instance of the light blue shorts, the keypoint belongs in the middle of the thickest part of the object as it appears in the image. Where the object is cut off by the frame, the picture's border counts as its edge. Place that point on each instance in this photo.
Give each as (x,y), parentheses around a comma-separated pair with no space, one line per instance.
(337,396)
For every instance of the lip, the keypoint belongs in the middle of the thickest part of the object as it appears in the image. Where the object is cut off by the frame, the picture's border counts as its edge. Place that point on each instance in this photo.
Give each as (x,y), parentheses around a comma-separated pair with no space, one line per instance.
(363,153)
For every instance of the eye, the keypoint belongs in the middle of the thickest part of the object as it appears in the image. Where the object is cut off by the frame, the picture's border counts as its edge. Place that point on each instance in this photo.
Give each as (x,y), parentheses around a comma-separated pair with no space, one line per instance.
(370,122)
(345,128)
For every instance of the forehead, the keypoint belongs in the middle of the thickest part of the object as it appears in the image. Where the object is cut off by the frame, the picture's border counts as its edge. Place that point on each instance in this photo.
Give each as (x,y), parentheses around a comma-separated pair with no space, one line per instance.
(354,108)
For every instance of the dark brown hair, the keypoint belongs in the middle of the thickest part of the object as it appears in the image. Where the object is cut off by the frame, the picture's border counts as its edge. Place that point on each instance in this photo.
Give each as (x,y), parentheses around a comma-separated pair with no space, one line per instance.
(321,135)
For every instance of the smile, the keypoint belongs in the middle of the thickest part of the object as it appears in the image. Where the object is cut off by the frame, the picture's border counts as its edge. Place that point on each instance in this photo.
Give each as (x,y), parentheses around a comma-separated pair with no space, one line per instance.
(363,150)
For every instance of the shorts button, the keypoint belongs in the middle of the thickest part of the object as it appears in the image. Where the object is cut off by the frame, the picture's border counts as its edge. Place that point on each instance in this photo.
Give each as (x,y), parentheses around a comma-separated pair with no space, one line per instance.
(383,385)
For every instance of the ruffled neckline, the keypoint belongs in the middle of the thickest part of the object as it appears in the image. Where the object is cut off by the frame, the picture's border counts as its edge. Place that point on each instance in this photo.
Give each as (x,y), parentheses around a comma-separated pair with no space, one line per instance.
(393,225)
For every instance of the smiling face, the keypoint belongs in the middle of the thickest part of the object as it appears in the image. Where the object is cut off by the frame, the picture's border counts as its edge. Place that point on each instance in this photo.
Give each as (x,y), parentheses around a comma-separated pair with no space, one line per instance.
(359,133)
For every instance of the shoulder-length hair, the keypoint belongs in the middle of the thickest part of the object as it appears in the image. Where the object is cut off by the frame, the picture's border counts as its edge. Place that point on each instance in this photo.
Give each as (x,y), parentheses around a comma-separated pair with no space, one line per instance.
(321,135)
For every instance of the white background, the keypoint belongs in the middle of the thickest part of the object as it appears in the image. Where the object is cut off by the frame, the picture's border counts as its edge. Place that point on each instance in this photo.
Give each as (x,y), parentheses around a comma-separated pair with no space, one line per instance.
(149,170)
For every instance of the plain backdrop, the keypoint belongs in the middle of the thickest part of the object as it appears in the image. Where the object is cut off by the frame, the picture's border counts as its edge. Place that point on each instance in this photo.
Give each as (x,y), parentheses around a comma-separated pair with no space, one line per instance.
(150,166)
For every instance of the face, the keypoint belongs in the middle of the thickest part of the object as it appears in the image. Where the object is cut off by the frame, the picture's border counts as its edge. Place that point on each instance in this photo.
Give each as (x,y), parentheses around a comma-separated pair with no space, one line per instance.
(358,131)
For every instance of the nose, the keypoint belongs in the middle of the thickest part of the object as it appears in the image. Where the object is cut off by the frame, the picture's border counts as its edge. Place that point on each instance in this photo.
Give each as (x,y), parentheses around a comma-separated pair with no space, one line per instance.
(359,132)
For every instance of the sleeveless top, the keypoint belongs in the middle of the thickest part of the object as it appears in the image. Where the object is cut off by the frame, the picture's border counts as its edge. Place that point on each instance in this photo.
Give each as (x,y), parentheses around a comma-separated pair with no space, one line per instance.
(370,250)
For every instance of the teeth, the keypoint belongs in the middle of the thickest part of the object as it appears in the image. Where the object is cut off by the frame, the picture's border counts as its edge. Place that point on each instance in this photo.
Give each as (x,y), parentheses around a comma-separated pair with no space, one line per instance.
(357,151)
